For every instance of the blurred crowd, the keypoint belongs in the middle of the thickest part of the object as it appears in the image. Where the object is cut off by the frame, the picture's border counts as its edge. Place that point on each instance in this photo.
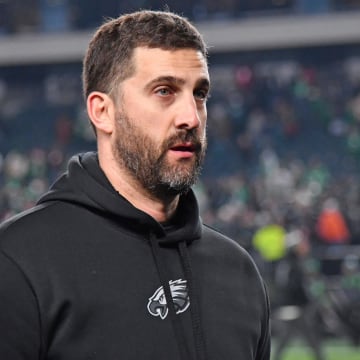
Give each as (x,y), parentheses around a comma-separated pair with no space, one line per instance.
(19,16)
(284,145)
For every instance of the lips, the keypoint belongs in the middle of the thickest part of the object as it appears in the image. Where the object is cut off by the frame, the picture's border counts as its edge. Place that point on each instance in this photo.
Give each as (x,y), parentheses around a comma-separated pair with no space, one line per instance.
(183,150)
(187,147)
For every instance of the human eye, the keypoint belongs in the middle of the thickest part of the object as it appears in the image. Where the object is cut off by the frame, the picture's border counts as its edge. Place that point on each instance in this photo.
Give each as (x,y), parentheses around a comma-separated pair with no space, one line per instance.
(163,91)
(202,94)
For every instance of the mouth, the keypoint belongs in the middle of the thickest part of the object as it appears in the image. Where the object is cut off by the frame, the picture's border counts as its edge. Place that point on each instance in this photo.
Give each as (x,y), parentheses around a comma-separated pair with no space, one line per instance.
(185,147)
(184,150)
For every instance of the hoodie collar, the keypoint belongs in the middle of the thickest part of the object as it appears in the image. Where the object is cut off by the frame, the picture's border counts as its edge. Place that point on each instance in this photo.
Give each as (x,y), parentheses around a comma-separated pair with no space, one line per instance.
(85,184)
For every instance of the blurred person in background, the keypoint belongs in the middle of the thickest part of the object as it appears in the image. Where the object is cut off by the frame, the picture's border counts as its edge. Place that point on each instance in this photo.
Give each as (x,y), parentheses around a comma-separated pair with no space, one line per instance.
(345,298)
(270,247)
(295,315)
(114,261)
(331,226)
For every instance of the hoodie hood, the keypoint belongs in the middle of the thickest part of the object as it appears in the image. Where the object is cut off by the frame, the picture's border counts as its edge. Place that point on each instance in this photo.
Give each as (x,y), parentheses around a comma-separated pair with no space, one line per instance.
(85,184)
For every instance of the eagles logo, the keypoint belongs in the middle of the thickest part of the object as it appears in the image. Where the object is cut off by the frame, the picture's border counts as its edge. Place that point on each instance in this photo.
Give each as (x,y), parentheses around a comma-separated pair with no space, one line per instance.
(157,305)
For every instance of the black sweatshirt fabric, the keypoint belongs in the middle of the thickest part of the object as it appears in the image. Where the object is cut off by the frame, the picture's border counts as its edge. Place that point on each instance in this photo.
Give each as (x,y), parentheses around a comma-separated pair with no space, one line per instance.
(86,275)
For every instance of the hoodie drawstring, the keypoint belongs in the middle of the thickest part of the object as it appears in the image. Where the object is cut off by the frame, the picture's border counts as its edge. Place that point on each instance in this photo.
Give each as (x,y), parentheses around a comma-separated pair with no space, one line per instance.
(179,334)
(194,305)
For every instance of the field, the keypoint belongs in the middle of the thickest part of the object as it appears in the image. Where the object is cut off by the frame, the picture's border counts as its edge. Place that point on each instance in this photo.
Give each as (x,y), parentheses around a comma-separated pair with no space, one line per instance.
(333,349)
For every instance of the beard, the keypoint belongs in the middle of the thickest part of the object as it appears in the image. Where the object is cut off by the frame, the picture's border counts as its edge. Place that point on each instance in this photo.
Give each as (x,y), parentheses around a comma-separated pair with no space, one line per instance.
(147,163)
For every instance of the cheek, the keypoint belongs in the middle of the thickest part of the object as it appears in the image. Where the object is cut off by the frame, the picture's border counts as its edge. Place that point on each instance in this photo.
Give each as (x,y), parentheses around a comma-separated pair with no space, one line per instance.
(156,126)
(155,135)
(148,122)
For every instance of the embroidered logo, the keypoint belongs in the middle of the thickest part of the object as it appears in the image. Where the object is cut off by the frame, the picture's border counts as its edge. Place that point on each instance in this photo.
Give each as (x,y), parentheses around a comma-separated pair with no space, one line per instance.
(157,305)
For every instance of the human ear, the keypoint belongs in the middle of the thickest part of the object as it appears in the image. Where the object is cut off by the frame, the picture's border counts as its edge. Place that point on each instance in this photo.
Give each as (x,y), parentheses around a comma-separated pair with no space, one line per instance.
(100,108)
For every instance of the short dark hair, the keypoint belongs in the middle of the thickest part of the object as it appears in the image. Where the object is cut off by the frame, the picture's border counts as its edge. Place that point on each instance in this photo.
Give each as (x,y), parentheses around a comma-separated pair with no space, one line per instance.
(108,60)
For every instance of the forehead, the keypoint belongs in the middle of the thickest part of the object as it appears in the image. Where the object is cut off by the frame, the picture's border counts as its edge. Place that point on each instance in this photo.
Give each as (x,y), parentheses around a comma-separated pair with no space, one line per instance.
(153,62)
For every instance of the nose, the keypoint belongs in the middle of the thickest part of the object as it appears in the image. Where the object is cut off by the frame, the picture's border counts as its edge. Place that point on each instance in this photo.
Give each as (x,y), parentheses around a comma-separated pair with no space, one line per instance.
(188,114)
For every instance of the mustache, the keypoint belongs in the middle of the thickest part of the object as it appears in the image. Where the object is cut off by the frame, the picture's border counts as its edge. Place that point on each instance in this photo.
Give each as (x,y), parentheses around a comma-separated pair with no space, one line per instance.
(185,136)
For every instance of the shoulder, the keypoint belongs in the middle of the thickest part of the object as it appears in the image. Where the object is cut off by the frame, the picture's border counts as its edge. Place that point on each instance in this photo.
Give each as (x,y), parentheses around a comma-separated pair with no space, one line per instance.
(25,232)
(29,220)
(222,248)
(223,243)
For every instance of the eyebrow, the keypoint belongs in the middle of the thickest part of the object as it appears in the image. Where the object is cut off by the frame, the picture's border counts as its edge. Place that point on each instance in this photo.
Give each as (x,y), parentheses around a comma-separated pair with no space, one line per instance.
(203,82)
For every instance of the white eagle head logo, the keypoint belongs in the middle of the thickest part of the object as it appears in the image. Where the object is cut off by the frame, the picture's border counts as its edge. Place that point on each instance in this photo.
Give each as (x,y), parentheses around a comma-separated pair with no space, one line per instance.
(157,305)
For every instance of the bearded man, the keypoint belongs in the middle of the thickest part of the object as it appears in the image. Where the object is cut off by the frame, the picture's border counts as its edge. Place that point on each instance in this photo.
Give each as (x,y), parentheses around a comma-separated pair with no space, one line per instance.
(114,261)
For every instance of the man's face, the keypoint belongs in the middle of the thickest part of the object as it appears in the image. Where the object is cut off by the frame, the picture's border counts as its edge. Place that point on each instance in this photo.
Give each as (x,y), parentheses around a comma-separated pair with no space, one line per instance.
(160,136)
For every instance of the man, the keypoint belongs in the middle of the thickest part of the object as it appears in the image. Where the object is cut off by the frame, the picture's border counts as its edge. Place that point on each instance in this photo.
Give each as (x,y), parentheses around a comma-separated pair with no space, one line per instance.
(296,313)
(114,262)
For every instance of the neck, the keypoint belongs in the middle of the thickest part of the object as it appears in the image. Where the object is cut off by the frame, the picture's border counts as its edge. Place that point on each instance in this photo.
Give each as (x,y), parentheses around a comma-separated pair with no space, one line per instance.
(160,208)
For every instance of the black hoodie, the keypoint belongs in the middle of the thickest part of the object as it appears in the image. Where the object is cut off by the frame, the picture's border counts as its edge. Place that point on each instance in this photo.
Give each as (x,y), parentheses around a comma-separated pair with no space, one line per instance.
(86,275)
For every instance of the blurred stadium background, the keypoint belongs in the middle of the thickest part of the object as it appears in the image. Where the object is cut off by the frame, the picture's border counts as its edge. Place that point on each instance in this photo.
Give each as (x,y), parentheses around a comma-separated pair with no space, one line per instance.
(283,162)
